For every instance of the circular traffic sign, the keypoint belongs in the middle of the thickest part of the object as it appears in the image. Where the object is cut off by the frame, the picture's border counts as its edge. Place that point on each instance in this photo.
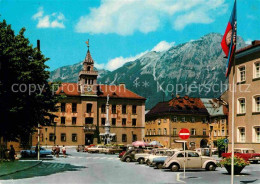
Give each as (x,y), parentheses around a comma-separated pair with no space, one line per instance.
(184,133)
(226,141)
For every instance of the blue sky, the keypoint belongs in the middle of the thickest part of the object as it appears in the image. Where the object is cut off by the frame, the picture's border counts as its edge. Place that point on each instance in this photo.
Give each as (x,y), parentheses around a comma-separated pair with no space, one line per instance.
(121,30)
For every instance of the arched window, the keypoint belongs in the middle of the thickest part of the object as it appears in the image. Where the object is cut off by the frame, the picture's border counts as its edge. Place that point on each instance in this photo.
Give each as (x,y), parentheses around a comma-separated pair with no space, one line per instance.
(159,131)
(164,131)
(88,68)
(154,132)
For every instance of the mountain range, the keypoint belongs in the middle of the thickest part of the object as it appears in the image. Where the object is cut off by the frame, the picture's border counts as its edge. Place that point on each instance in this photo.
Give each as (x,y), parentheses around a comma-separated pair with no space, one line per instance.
(196,68)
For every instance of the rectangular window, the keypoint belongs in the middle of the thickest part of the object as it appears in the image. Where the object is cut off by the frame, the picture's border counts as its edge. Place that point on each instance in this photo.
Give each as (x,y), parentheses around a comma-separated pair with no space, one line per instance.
(89,108)
(175,119)
(204,131)
(124,109)
(63,137)
(51,137)
(241,106)
(74,107)
(74,137)
(183,119)
(123,121)
(114,121)
(62,120)
(174,131)
(63,107)
(103,108)
(134,109)
(134,138)
(103,121)
(192,119)
(193,131)
(133,122)
(257,104)
(164,131)
(242,74)
(74,120)
(257,70)
(124,138)
(215,133)
(113,109)
(241,134)
(89,121)
(257,134)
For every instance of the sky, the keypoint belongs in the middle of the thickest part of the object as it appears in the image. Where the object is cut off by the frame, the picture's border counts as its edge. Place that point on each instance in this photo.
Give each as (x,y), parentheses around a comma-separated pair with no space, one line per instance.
(122,30)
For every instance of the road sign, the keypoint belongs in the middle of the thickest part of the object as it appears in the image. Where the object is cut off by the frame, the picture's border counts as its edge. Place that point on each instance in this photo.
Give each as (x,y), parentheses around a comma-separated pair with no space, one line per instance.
(184,133)
(226,141)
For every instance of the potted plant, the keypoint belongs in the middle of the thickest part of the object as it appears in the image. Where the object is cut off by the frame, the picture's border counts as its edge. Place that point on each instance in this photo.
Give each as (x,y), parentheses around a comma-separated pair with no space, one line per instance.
(239,164)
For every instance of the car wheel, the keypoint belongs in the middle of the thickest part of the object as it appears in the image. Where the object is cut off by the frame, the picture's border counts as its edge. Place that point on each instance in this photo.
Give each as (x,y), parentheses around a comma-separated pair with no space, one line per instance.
(128,159)
(159,166)
(175,167)
(211,167)
(141,161)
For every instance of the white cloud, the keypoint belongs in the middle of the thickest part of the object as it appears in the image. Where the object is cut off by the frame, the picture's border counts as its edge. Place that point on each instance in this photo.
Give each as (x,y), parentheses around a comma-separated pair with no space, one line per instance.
(127,16)
(120,61)
(54,20)
(163,46)
(117,62)
(248,41)
(100,66)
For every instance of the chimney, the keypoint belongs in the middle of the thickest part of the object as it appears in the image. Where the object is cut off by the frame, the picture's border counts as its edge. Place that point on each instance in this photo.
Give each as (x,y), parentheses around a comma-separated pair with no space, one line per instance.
(122,84)
(38,45)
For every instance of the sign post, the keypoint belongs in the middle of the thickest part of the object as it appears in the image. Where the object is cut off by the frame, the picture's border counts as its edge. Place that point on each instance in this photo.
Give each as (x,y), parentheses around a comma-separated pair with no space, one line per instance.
(226,142)
(184,134)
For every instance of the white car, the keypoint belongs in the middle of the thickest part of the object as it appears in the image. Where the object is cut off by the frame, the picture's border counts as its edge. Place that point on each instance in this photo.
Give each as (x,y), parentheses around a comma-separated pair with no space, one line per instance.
(141,157)
(192,160)
(97,149)
(158,153)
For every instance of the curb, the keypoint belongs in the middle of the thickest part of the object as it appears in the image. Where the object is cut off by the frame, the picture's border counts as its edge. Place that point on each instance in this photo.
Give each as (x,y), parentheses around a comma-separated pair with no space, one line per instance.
(1,175)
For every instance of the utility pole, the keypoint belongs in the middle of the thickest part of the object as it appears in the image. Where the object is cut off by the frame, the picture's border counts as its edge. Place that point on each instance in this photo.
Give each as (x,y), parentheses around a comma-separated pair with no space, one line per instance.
(38,154)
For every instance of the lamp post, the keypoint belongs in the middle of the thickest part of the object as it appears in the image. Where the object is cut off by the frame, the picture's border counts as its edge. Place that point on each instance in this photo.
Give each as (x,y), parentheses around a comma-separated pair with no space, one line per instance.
(107,124)
(46,136)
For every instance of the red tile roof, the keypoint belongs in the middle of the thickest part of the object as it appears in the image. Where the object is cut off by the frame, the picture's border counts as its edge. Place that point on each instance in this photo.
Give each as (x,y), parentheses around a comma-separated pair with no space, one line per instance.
(255,43)
(72,89)
(183,105)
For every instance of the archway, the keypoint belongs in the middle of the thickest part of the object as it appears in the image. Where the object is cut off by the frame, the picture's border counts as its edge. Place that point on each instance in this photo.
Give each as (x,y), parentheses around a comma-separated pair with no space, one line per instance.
(203,143)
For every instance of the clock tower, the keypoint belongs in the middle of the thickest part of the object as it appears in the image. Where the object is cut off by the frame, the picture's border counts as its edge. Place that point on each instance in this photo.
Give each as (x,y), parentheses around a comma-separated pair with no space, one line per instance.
(88,76)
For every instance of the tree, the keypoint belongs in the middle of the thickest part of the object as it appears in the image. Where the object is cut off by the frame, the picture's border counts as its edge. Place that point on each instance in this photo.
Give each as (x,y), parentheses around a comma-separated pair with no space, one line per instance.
(26,97)
(221,146)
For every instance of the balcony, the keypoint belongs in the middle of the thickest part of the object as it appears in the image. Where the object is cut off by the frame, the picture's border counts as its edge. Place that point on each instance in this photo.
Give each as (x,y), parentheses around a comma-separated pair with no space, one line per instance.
(84,72)
(89,128)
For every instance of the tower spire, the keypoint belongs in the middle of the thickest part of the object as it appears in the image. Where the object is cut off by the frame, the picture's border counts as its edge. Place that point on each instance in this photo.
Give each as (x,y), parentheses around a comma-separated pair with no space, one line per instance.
(87,42)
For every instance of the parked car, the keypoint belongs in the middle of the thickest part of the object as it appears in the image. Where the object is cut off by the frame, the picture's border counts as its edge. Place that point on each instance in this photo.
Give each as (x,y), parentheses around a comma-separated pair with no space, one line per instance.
(159,161)
(79,148)
(157,153)
(121,154)
(113,150)
(87,147)
(96,149)
(31,152)
(129,156)
(246,153)
(164,155)
(193,160)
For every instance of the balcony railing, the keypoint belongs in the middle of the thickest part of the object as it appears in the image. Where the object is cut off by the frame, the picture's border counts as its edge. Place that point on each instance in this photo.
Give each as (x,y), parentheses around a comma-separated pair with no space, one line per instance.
(88,72)
(89,128)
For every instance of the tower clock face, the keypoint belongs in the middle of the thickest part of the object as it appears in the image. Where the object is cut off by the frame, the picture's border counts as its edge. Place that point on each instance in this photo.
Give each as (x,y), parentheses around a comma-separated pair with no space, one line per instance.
(89,89)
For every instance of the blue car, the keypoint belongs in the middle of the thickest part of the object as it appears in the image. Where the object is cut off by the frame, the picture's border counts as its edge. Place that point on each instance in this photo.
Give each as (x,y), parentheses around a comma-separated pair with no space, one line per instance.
(158,162)
(31,153)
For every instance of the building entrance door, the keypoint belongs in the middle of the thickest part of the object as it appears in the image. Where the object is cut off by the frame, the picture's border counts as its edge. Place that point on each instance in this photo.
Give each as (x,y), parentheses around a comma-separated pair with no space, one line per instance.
(89,139)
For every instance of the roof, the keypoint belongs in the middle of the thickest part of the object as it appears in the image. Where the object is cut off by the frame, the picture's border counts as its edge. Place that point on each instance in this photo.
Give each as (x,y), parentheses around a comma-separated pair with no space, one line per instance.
(88,58)
(181,105)
(72,89)
(215,107)
(117,92)
(255,43)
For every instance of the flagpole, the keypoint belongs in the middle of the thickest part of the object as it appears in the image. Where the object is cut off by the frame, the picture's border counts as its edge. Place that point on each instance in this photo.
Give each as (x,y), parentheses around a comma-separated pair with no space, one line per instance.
(233,121)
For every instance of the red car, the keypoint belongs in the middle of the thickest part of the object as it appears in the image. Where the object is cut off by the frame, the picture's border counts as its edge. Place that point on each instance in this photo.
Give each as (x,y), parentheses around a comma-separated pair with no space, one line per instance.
(246,153)
(121,154)
(87,147)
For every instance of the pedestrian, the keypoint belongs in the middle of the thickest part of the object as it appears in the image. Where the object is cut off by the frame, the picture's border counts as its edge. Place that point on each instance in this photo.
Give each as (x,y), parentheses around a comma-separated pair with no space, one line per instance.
(57,151)
(63,151)
(12,153)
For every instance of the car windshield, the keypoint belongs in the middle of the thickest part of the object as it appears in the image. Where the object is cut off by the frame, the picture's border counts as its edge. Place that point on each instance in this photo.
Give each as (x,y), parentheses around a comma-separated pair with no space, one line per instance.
(168,153)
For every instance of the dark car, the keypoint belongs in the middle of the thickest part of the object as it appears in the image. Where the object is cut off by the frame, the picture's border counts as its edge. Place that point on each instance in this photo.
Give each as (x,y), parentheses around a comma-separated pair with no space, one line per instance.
(32,153)
(129,156)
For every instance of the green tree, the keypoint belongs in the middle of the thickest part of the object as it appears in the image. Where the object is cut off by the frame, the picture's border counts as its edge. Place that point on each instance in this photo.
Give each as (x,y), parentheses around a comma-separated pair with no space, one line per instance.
(22,65)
